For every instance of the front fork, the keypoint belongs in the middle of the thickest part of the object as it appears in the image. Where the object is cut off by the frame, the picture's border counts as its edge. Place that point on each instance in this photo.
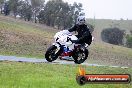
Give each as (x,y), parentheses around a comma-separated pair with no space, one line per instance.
(59,48)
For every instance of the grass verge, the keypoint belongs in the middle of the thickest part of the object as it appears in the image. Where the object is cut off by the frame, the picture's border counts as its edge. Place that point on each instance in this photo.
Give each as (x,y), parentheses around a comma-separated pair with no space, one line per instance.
(42,75)
(23,39)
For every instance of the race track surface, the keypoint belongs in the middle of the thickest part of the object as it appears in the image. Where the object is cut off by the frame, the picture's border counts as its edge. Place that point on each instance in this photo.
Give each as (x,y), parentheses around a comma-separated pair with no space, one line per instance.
(34,60)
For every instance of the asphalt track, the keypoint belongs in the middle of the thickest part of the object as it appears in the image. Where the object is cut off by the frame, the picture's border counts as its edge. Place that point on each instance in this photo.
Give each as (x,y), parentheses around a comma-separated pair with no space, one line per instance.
(35,60)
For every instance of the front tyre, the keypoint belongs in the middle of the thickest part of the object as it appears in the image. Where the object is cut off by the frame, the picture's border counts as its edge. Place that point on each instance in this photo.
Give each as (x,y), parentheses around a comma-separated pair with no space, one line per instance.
(80,55)
(52,53)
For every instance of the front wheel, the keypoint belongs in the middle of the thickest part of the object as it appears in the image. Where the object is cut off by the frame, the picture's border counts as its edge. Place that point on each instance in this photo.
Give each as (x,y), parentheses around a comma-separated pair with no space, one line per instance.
(52,53)
(80,55)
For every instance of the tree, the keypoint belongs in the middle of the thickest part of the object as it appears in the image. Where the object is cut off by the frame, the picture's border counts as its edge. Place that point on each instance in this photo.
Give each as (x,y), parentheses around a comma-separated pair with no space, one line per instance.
(53,13)
(25,10)
(14,6)
(37,5)
(1,5)
(113,36)
(59,13)
(77,8)
(6,9)
(64,17)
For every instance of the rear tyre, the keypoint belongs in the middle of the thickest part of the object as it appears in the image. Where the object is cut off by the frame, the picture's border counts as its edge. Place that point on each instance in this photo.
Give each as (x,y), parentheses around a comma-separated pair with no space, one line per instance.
(80,55)
(52,53)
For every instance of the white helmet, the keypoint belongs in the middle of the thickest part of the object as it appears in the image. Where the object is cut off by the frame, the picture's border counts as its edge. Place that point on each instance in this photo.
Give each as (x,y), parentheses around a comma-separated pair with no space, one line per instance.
(80,20)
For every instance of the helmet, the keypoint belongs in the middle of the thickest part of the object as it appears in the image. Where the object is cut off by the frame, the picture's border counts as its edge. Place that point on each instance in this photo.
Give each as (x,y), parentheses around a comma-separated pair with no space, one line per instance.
(80,20)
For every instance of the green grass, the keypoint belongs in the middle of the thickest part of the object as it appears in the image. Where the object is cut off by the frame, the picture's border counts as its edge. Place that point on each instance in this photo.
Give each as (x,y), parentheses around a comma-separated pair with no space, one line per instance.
(41,75)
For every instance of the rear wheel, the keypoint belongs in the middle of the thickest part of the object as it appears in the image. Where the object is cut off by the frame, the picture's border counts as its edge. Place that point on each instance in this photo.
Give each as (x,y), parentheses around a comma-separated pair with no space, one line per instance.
(80,55)
(52,53)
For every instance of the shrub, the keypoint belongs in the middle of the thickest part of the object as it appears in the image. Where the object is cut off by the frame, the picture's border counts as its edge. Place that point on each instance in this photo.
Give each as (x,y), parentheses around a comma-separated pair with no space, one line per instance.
(131,32)
(129,41)
(113,36)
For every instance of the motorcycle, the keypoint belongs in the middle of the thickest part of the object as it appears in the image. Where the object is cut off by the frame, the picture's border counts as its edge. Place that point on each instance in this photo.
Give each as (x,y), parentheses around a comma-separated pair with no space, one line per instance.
(64,46)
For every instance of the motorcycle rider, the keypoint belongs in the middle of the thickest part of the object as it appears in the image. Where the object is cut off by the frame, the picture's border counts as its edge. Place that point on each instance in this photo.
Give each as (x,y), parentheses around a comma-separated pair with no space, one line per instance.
(84,35)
